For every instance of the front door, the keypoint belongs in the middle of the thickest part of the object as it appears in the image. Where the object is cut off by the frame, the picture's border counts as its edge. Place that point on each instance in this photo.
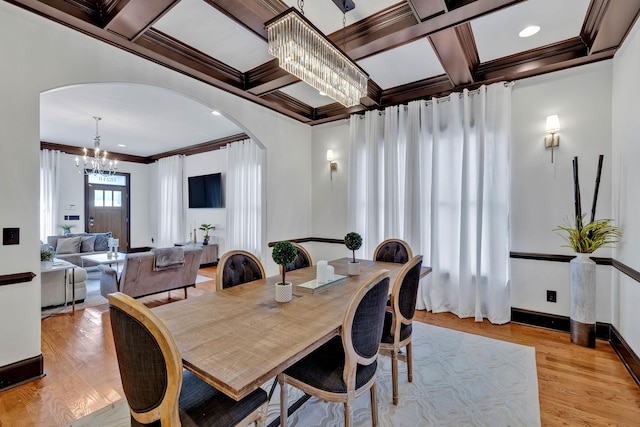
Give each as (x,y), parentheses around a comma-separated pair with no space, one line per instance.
(107,206)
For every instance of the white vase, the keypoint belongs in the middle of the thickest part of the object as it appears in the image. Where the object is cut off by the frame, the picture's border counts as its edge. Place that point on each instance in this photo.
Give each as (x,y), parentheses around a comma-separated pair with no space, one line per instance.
(583,300)
(353,268)
(284,292)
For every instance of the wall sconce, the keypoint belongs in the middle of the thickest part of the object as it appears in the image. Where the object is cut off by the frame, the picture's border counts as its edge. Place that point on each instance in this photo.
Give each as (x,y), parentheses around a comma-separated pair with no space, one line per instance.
(552,140)
(333,165)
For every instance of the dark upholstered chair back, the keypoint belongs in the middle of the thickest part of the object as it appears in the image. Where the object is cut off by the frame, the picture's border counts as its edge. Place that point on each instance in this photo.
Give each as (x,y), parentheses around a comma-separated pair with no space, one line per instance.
(302,260)
(368,319)
(238,267)
(148,359)
(141,362)
(408,293)
(393,250)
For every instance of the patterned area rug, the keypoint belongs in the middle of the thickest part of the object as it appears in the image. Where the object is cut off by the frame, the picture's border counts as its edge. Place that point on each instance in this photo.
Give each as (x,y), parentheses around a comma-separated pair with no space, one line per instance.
(459,379)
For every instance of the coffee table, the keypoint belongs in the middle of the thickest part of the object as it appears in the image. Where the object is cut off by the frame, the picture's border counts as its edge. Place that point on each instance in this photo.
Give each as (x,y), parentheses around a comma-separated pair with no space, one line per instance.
(104,258)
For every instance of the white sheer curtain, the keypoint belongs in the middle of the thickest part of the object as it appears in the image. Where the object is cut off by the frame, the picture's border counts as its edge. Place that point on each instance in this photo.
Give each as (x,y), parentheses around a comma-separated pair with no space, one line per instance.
(49,192)
(244,196)
(170,197)
(444,188)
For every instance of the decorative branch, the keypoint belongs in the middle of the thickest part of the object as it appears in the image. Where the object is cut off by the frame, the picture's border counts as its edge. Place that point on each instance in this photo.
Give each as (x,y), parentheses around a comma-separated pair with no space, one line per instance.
(595,192)
(576,194)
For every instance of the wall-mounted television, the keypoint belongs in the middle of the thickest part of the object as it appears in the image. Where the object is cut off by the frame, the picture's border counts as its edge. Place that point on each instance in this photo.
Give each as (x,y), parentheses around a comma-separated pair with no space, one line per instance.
(205,191)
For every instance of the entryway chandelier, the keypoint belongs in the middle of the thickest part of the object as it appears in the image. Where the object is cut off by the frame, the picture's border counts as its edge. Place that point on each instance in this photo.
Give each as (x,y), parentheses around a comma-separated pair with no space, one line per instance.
(96,165)
(305,52)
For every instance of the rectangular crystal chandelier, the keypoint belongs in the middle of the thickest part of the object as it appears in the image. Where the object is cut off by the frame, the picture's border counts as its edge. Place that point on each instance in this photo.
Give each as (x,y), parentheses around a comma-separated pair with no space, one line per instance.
(305,52)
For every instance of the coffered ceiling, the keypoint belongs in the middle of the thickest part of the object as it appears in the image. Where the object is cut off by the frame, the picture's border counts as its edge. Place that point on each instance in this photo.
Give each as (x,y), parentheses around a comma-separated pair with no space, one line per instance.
(411,49)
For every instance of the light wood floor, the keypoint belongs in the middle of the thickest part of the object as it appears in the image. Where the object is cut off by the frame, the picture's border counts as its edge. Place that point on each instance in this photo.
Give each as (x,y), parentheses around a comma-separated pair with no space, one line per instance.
(577,386)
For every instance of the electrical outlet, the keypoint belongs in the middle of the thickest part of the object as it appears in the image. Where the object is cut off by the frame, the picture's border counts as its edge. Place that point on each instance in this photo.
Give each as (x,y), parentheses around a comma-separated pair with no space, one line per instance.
(552,296)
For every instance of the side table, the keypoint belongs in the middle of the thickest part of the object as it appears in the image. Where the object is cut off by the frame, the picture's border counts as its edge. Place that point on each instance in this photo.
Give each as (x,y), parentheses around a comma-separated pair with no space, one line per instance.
(209,253)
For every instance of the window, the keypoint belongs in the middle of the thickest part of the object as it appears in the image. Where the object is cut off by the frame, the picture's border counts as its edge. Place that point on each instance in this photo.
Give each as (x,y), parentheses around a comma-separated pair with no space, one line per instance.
(107,198)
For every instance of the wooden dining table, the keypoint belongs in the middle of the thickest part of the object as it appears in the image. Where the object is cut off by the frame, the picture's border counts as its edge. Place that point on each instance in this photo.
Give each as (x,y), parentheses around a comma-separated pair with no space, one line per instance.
(238,338)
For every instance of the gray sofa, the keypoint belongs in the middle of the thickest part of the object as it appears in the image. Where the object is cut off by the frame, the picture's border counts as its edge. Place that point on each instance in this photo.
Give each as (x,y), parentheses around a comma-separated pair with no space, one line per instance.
(72,246)
(139,276)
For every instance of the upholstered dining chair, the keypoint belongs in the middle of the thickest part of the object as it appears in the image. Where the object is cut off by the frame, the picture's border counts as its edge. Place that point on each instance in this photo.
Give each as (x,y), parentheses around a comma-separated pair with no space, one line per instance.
(238,267)
(399,316)
(393,250)
(302,260)
(345,367)
(159,392)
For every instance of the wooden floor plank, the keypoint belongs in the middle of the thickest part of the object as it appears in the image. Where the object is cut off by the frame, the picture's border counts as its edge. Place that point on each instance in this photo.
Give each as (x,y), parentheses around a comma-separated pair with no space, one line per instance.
(577,386)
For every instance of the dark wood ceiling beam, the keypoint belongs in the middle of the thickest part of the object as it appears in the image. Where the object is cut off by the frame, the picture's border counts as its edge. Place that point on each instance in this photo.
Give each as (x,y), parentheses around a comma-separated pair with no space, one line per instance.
(417,90)
(424,9)
(267,77)
(450,19)
(381,24)
(173,49)
(60,10)
(553,54)
(455,47)
(374,93)
(79,151)
(607,23)
(132,17)
(288,102)
(201,148)
(252,14)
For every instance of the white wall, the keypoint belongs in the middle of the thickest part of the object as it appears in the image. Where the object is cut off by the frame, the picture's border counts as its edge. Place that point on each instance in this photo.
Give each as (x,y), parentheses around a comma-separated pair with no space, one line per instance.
(542,192)
(204,164)
(329,202)
(26,43)
(626,183)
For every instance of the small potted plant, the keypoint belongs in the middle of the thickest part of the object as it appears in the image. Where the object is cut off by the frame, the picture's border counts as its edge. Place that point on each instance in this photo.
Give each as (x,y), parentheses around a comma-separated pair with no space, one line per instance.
(66,228)
(284,253)
(353,241)
(46,255)
(206,228)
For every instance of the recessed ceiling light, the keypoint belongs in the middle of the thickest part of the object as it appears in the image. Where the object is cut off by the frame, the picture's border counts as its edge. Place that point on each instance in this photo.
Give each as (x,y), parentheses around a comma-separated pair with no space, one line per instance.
(529,31)
(322,93)
(121,145)
(215,113)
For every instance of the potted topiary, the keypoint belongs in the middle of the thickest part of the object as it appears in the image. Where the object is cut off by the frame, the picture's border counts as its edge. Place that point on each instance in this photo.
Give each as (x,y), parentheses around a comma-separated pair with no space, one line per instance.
(284,253)
(206,228)
(353,241)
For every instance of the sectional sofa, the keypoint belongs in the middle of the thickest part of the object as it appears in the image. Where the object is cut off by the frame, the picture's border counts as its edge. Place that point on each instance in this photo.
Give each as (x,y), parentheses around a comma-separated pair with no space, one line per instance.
(72,246)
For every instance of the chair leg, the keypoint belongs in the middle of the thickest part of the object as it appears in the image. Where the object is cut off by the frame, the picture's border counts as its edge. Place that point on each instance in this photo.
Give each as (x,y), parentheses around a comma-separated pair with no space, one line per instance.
(185,293)
(409,363)
(374,405)
(263,416)
(347,414)
(283,401)
(394,375)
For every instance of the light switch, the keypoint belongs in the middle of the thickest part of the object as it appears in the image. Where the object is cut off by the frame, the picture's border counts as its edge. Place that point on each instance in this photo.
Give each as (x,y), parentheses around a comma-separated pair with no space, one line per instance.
(10,236)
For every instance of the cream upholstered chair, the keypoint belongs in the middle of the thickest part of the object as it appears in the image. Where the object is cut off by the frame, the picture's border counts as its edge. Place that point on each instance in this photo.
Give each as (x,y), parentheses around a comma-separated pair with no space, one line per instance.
(393,250)
(158,391)
(399,316)
(345,367)
(238,267)
(302,260)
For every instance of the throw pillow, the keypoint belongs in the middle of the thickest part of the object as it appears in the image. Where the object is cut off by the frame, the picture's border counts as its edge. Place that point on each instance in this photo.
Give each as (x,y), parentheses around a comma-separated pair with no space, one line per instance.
(87,243)
(69,245)
(102,242)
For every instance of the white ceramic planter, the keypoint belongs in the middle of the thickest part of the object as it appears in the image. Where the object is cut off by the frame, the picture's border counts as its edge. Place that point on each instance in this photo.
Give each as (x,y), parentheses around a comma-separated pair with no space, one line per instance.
(353,268)
(284,293)
(583,300)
